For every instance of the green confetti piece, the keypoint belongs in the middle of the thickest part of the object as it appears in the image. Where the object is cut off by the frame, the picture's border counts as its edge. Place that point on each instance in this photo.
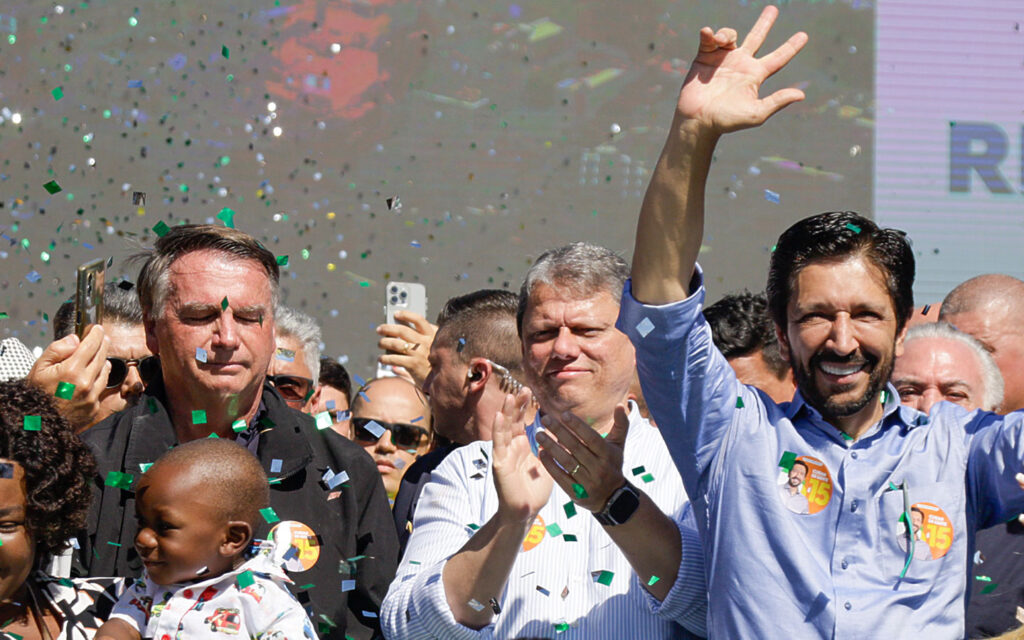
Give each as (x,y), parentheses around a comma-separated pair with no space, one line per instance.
(653,581)
(3,315)
(989,588)
(579,491)
(224,51)
(852,227)
(65,390)
(151,404)
(561,627)
(32,423)
(554,530)
(845,435)
(323,420)
(198,416)
(161,229)
(224,304)
(213,435)
(787,460)
(269,515)
(246,579)
(119,480)
(52,187)
(568,537)
(113,544)
(647,477)
(58,93)
(604,577)
(238,426)
(570,509)
(638,470)
(282,261)
(144,466)
(739,402)
(226,215)
(983,578)
(473,526)
(414,562)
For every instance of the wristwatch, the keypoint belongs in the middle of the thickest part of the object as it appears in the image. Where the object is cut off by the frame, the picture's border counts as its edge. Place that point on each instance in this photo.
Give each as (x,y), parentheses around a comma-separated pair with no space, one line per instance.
(620,507)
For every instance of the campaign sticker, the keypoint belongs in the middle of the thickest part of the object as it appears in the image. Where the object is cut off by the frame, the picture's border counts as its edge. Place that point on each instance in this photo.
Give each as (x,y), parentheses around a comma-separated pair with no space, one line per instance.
(805,485)
(535,535)
(296,547)
(932,531)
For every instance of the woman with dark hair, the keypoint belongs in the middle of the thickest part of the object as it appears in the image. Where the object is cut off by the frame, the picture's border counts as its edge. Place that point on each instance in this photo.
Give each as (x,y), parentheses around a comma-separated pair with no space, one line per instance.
(45,472)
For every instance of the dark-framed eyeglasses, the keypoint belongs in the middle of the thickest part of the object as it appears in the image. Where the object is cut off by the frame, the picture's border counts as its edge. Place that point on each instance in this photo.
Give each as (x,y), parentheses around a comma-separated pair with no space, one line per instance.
(295,390)
(403,436)
(149,370)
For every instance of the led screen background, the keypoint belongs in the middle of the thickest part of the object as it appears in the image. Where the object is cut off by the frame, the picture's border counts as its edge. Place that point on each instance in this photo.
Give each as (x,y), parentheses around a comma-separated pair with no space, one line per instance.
(502,129)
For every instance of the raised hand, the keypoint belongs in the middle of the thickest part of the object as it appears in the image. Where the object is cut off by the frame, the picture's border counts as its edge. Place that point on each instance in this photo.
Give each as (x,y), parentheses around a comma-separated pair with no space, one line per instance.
(522,483)
(721,91)
(81,363)
(407,344)
(585,465)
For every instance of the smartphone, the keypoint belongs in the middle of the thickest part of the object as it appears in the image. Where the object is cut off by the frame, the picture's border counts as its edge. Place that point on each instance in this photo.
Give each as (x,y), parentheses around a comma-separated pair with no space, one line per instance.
(402,296)
(89,295)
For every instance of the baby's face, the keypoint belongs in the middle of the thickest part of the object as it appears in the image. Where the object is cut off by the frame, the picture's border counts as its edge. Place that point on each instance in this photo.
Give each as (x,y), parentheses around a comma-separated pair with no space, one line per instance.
(182,532)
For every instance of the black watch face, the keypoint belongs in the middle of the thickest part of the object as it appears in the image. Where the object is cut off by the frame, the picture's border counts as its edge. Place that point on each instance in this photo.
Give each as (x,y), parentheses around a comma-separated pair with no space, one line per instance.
(623,507)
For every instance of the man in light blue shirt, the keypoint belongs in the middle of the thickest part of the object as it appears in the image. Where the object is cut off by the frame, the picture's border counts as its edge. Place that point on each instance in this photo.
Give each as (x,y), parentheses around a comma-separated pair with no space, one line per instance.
(894,496)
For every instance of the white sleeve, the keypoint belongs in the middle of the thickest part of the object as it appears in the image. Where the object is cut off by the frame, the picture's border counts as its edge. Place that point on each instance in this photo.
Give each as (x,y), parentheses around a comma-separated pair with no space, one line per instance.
(416,606)
(133,605)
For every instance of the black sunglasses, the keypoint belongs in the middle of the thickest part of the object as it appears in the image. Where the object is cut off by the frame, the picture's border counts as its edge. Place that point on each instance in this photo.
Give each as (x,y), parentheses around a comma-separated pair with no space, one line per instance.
(404,436)
(294,389)
(149,370)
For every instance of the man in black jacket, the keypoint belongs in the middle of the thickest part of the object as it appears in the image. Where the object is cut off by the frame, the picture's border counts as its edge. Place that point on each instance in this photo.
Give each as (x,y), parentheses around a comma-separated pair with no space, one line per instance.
(208,296)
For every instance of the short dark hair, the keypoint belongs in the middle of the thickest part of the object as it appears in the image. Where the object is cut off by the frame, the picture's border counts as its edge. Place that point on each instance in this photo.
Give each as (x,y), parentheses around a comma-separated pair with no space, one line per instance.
(58,465)
(154,278)
(802,464)
(482,324)
(837,235)
(333,374)
(120,305)
(741,326)
(231,474)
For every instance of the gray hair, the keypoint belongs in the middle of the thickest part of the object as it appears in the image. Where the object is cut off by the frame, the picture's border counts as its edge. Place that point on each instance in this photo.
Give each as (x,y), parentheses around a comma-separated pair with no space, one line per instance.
(990,375)
(292,323)
(585,269)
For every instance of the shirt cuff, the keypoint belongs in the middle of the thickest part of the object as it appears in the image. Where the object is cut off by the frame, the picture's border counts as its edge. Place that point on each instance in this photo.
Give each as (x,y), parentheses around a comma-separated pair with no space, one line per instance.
(428,609)
(661,323)
(687,601)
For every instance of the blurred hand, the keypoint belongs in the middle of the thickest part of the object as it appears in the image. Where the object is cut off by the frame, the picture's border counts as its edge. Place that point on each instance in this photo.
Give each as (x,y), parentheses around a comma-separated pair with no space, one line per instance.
(522,483)
(83,364)
(575,454)
(407,345)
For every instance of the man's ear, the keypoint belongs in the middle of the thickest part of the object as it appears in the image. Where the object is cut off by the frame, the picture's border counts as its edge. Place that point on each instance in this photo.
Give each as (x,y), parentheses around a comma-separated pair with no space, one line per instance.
(314,400)
(237,537)
(479,372)
(149,324)
(783,340)
(900,337)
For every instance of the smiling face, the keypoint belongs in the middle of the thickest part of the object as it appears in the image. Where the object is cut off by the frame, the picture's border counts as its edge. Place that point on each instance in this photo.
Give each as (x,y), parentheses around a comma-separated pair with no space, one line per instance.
(573,356)
(933,369)
(238,341)
(181,529)
(18,549)
(999,331)
(841,339)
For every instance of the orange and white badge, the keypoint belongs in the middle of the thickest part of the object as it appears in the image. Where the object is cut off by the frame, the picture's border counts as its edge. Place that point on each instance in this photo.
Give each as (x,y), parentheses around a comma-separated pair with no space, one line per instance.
(805,486)
(535,534)
(931,526)
(296,547)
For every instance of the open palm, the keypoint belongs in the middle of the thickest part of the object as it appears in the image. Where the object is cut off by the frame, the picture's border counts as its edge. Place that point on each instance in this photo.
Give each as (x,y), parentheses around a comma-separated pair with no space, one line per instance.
(523,484)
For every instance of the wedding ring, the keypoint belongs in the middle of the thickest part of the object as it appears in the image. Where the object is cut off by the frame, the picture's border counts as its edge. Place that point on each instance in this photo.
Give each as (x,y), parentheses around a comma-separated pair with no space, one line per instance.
(574,470)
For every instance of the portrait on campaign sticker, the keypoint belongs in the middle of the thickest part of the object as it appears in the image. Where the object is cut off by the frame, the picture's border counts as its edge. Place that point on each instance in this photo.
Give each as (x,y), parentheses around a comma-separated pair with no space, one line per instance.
(296,547)
(931,531)
(805,486)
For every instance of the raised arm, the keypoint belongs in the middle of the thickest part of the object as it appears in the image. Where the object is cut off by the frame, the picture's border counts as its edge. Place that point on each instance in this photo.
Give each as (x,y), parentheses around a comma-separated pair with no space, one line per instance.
(719,95)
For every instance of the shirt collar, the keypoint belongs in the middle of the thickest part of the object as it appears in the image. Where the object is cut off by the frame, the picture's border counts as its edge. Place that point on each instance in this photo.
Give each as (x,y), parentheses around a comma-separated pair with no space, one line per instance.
(893,412)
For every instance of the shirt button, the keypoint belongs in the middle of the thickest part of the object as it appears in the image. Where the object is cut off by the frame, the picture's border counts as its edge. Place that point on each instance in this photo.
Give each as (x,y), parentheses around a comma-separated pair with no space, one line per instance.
(853,506)
(845,564)
(847,606)
(187,593)
(853,454)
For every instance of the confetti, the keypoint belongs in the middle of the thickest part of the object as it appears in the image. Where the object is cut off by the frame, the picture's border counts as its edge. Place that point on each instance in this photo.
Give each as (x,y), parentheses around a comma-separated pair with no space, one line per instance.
(570,509)
(201,354)
(561,627)
(58,93)
(787,460)
(6,470)
(638,470)
(286,355)
(348,585)
(771,196)
(579,491)
(462,345)
(119,480)
(652,581)
(144,466)
(269,515)
(282,261)
(138,198)
(238,426)
(198,416)
(275,465)
(644,327)
(227,216)
(568,537)
(32,423)
(135,84)
(554,530)
(323,420)
(739,402)
(52,187)
(647,477)
(989,588)
(375,429)
(33,276)
(333,480)
(475,605)
(224,51)
(65,390)
(394,203)
(224,304)
(543,590)
(926,309)
(602,577)
(852,227)
(245,579)
(161,229)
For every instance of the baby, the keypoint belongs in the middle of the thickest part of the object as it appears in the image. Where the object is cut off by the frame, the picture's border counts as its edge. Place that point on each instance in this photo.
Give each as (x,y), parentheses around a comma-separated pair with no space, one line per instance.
(197,508)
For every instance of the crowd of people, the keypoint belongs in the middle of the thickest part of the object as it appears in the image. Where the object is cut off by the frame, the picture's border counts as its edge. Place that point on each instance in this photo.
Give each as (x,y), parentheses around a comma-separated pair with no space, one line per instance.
(599,456)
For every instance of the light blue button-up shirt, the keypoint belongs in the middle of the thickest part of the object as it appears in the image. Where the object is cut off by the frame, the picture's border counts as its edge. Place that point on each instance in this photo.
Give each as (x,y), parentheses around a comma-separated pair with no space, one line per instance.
(850,567)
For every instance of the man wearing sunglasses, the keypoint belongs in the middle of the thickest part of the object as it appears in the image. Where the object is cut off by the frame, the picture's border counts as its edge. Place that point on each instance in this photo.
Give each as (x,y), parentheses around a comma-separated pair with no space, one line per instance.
(208,295)
(296,361)
(391,420)
(121,352)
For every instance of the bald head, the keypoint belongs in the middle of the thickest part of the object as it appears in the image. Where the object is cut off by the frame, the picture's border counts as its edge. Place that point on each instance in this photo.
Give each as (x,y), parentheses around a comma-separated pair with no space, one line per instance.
(233,477)
(390,391)
(990,307)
